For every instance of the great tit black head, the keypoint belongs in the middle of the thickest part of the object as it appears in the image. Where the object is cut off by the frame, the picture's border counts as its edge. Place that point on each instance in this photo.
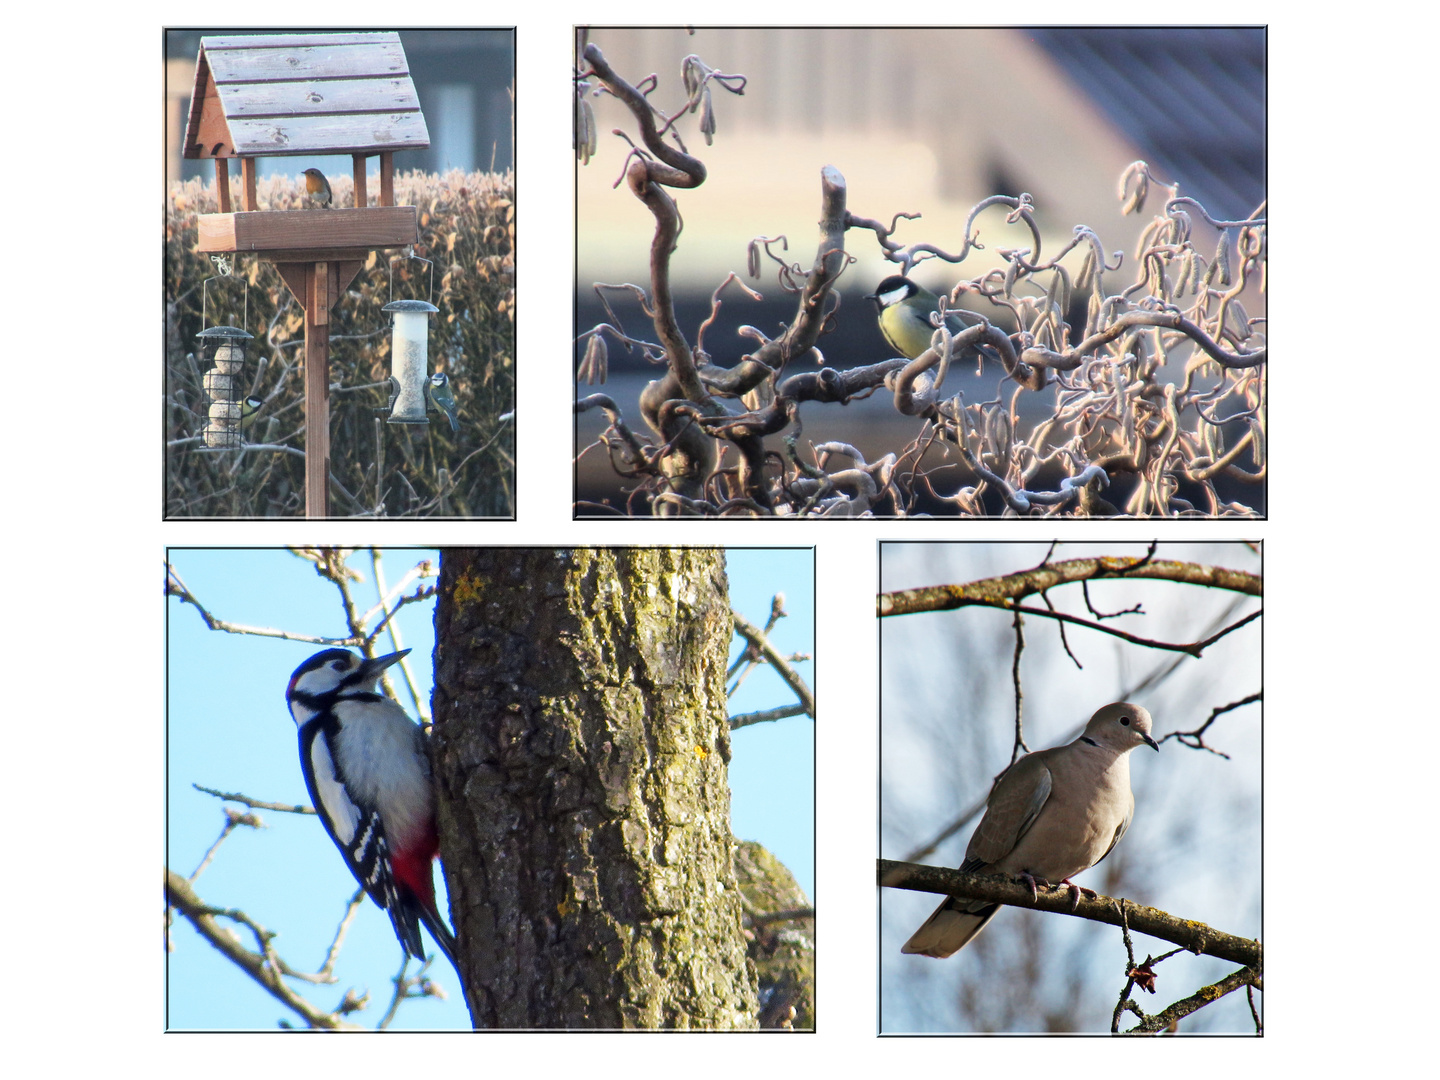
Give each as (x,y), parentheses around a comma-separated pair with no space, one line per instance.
(904,316)
(249,409)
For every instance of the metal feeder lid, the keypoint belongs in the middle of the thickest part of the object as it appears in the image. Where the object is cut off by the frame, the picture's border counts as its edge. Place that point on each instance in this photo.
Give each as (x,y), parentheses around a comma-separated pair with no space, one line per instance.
(225,332)
(409,305)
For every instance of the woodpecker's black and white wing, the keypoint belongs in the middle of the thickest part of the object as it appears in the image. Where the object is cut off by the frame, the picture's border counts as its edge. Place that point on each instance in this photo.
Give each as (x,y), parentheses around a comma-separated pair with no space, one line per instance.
(357,829)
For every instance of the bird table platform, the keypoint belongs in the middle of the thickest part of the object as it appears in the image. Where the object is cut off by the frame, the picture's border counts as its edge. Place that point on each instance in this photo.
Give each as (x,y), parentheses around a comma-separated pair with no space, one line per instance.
(284,95)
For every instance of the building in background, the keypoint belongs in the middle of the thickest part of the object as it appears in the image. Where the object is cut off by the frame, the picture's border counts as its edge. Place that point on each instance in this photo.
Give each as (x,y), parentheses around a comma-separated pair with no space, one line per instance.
(929,121)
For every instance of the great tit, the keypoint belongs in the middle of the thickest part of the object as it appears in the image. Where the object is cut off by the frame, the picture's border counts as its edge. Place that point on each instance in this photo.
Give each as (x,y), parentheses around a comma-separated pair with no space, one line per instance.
(904,317)
(444,398)
(249,410)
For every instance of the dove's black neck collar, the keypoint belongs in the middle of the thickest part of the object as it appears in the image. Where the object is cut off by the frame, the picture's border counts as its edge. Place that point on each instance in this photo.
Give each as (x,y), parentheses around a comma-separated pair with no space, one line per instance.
(1092,742)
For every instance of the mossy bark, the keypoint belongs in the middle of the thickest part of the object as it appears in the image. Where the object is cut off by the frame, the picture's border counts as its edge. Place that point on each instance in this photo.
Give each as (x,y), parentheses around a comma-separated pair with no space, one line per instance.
(783,949)
(580,749)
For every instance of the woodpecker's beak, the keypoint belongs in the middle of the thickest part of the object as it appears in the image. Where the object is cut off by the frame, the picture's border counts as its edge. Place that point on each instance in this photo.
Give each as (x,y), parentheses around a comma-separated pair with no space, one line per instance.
(371,669)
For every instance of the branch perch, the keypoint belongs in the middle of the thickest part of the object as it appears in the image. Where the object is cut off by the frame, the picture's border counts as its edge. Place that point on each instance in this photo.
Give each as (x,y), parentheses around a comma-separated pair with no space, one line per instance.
(1195,936)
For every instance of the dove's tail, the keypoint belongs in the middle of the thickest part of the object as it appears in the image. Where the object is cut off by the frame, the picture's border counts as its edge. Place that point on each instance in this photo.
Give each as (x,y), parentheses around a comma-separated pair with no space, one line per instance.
(950,928)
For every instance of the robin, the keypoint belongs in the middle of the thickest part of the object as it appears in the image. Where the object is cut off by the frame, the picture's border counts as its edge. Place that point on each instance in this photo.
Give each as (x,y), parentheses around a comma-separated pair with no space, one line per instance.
(318,188)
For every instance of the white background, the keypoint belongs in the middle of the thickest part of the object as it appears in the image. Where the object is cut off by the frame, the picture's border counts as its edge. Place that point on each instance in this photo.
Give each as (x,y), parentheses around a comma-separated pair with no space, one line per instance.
(1350,641)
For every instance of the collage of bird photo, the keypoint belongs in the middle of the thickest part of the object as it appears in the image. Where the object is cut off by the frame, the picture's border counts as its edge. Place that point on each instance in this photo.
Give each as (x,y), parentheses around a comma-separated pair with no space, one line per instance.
(491,687)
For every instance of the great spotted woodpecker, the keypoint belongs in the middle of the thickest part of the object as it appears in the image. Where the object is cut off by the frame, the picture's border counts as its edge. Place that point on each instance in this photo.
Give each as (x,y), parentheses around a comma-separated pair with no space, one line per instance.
(369,777)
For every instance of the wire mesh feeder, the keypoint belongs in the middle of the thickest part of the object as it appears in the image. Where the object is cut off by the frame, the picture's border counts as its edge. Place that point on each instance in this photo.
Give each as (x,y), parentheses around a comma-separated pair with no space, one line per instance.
(225,346)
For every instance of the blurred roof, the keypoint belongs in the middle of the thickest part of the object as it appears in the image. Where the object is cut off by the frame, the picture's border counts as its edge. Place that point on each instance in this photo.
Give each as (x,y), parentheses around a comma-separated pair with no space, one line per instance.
(929,120)
(1194,97)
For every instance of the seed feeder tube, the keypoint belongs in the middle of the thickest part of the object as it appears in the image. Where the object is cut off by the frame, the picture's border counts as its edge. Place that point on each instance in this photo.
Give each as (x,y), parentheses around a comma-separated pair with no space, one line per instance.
(409,349)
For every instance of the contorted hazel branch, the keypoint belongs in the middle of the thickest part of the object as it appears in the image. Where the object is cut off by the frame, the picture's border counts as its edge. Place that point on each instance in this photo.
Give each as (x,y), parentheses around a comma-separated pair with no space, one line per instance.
(1155,387)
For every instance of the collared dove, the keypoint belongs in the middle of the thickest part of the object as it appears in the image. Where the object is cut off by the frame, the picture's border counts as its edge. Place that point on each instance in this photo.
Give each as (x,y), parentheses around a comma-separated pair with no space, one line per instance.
(1051,815)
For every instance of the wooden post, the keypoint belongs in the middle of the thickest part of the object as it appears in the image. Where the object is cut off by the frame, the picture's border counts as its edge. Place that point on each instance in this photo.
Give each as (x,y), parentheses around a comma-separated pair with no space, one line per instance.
(317,391)
(222,184)
(317,286)
(357,170)
(248,174)
(387,178)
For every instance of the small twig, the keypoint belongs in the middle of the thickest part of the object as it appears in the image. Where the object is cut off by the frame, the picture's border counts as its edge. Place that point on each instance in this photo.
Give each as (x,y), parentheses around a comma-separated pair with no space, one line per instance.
(176,588)
(1194,648)
(766,715)
(258,804)
(259,966)
(788,915)
(1019,746)
(1206,995)
(232,821)
(747,630)
(1196,740)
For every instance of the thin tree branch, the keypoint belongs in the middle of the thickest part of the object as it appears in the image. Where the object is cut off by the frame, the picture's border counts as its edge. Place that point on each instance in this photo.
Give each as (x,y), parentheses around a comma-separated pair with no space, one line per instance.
(177,588)
(1246,976)
(1015,751)
(233,819)
(1194,936)
(1012,587)
(1194,648)
(1196,739)
(179,895)
(752,634)
(788,915)
(766,715)
(284,808)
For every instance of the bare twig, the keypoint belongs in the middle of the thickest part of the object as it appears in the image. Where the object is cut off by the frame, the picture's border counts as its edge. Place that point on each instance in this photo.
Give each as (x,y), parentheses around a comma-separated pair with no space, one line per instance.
(259,966)
(782,666)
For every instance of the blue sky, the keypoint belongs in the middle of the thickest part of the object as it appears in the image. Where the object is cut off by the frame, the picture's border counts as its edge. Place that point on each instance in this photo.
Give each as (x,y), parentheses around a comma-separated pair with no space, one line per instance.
(228,729)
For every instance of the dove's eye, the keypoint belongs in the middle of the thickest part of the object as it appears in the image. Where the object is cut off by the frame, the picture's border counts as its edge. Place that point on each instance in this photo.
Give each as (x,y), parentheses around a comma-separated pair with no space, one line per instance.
(1125,720)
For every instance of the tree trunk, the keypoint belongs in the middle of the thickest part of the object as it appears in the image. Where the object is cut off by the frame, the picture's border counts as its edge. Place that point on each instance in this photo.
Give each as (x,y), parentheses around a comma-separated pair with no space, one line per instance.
(580,749)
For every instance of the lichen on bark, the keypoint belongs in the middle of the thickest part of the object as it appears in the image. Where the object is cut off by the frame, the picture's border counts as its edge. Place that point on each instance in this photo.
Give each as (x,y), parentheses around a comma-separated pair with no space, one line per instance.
(581,746)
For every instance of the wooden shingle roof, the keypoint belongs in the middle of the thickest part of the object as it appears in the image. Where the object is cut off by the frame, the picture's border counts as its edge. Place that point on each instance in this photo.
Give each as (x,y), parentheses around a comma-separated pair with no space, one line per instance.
(286,94)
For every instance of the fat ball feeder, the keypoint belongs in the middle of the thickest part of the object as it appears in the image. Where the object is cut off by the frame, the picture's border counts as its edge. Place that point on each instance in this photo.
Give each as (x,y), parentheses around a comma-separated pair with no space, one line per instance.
(224,346)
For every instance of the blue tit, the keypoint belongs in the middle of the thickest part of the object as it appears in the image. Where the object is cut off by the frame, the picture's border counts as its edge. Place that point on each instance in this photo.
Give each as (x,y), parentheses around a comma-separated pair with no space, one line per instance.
(249,410)
(904,317)
(394,392)
(443,397)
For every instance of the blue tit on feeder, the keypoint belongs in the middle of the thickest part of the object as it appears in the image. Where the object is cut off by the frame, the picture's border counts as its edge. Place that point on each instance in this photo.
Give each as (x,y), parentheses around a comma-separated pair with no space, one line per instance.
(409,350)
(444,397)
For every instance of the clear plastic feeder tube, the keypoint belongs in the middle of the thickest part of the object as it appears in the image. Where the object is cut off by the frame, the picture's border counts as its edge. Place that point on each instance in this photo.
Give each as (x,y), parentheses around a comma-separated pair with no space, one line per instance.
(409,347)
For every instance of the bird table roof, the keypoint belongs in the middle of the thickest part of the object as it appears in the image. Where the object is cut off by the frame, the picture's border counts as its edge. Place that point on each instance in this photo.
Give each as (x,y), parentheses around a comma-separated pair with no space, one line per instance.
(286,94)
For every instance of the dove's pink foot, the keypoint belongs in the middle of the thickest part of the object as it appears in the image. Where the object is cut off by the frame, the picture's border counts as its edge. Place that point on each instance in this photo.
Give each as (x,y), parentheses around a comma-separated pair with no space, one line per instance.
(1030,882)
(1075,891)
